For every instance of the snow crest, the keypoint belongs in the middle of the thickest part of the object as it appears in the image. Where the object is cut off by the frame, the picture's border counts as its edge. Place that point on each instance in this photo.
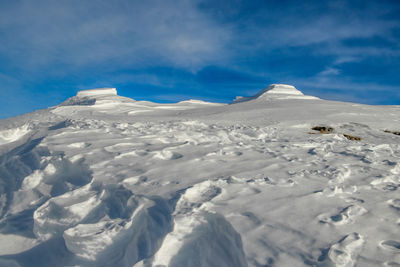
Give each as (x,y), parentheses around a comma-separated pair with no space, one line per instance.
(97,92)
(281,89)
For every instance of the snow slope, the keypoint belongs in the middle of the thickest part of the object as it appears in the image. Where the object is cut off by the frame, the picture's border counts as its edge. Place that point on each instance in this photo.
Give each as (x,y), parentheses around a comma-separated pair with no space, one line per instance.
(104,180)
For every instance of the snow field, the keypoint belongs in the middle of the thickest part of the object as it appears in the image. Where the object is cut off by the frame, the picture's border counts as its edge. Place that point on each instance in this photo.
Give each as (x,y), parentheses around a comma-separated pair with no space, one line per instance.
(216,185)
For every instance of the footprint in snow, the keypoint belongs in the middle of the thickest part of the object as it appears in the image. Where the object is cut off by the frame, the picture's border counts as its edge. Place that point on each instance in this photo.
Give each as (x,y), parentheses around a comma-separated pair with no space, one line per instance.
(391,245)
(387,187)
(392,264)
(252,218)
(384,183)
(345,216)
(345,252)
(394,203)
(343,174)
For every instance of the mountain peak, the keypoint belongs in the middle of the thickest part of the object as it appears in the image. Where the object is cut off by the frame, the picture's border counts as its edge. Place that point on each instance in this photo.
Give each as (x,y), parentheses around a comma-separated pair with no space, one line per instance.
(281,89)
(95,97)
(97,92)
(276,91)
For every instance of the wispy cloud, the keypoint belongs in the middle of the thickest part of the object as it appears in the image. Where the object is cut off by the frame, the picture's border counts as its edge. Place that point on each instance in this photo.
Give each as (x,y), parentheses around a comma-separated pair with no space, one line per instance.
(124,33)
(328,72)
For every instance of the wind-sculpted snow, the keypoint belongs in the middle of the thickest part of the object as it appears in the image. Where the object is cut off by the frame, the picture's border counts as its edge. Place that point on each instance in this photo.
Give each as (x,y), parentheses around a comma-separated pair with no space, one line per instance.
(197,184)
(11,135)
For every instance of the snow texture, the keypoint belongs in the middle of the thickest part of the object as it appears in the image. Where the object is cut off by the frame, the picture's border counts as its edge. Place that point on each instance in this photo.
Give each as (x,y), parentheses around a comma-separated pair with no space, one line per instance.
(104,180)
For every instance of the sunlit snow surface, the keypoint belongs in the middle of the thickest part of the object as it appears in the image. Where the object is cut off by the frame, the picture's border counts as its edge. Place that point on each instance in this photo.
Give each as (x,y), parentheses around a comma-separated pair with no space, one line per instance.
(103,180)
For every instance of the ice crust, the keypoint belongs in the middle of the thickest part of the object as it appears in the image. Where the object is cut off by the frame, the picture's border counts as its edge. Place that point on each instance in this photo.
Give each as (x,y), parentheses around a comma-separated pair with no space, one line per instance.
(103,180)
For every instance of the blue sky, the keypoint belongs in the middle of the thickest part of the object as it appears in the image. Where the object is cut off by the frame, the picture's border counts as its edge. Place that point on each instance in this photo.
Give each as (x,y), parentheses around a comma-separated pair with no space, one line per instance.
(171,50)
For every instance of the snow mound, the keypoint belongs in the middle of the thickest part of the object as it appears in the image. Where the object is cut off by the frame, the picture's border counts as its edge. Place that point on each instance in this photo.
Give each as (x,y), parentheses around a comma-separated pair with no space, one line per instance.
(276,91)
(97,92)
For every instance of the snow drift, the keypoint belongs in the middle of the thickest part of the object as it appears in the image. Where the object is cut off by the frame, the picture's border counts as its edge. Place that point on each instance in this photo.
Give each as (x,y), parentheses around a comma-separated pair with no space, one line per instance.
(272,180)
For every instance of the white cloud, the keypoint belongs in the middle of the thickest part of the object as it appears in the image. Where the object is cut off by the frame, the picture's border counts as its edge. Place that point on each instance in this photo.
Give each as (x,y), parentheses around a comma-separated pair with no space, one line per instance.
(329,71)
(126,33)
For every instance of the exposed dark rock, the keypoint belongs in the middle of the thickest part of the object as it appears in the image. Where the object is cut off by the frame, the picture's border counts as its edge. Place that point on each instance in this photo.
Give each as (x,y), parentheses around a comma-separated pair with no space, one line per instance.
(392,132)
(351,137)
(323,129)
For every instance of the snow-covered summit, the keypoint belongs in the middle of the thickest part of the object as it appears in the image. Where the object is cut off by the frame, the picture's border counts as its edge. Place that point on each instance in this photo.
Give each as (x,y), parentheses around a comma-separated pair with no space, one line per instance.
(97,92)
(281,89)
(276,91)
(99,97)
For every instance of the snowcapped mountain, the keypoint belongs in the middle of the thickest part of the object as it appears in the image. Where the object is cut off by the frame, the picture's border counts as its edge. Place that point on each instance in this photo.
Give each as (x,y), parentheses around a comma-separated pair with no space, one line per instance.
(276,179)
(276,91)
